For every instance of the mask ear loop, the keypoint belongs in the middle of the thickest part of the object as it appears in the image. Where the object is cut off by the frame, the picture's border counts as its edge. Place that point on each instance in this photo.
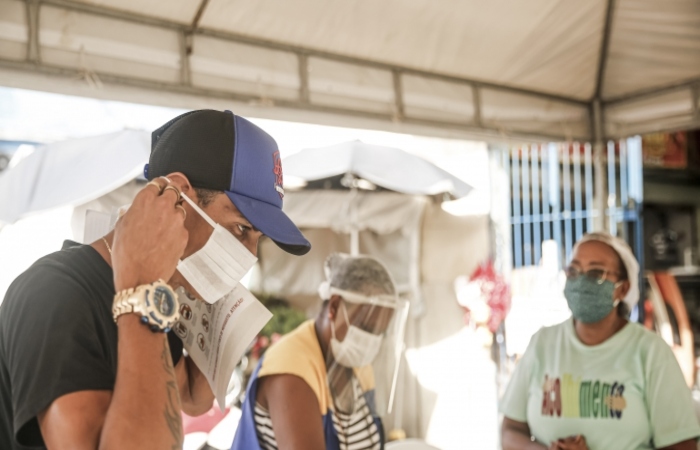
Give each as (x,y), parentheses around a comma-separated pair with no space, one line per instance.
(345,313)
(199,211)
(617,300)
(333,329)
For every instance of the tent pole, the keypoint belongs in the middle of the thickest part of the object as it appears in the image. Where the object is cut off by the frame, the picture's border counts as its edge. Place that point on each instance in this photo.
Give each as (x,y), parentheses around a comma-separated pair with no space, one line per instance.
(33,27)
(354,223)
(354,241)
(598,126)
(600,174)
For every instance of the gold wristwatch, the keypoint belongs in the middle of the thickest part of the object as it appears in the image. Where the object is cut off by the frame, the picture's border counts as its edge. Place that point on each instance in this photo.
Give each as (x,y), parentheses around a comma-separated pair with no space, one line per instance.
(156,303)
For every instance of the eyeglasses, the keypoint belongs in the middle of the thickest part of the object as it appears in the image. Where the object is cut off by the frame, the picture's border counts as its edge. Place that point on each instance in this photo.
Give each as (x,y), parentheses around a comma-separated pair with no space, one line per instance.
(597,275)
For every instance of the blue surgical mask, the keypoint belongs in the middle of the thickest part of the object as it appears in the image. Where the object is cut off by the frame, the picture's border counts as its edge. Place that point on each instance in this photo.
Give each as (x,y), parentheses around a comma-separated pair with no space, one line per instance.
(589,300)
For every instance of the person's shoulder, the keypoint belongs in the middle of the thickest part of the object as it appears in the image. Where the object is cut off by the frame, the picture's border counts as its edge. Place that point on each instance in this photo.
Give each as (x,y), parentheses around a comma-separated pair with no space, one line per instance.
(550,333)
(298,353)
(55,299)
(647,342)
(637,331)
(298,347)
(44,271)
(61,262)
(55,275)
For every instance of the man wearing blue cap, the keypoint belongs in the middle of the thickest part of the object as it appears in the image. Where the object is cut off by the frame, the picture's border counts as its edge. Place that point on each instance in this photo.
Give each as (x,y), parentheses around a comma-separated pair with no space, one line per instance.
(87,358)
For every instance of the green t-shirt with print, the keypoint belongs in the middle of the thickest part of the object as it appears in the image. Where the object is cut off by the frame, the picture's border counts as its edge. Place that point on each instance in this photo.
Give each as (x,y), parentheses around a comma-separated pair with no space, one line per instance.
(626,393)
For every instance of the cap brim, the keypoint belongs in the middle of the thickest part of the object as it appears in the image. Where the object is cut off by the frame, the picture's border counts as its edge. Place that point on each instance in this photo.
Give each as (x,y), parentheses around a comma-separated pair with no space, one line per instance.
(272,222)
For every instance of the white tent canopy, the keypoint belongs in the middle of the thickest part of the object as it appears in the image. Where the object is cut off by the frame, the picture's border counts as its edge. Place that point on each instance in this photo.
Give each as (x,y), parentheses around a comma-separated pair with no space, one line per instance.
(72,172)
(553,69)
(386,167)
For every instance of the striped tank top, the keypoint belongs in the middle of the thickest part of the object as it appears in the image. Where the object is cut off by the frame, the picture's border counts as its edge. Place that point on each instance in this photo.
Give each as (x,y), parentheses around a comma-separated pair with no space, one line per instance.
(356,431)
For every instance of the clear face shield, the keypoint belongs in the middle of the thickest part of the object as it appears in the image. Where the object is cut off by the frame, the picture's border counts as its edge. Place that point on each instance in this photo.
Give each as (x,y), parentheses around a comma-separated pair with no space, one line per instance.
(364,352)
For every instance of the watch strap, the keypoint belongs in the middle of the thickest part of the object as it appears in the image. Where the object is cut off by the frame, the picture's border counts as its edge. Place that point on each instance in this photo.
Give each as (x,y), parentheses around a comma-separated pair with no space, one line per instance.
(126,301)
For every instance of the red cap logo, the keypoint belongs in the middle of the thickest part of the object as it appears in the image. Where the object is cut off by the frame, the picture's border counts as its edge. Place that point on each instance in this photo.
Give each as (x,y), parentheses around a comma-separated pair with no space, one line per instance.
(277,169)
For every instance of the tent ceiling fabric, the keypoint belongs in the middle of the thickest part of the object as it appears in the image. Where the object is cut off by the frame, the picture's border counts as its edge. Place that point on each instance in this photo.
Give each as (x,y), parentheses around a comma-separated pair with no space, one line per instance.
(472,67)
(652,44)
(444,36)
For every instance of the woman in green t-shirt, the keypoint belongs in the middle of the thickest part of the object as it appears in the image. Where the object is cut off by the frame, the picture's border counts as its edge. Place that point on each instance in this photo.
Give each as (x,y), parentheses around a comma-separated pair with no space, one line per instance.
(597,381)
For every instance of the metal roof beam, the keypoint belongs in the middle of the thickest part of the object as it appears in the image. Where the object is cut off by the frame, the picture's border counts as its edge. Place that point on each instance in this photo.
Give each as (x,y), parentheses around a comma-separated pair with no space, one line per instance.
(198,16)
(33,46)
(185,41)
(304,93)
(399,109)
(651,92)
(604,50)
(114,14)
(272,45)
(491,133)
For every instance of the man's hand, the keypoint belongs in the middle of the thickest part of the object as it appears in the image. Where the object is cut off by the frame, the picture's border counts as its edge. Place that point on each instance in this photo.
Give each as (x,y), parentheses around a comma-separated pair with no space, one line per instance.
(150,238)
(516,435)
(195,392)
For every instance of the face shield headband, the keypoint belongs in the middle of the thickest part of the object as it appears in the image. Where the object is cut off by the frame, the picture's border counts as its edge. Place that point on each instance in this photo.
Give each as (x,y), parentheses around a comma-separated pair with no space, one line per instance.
(326,291)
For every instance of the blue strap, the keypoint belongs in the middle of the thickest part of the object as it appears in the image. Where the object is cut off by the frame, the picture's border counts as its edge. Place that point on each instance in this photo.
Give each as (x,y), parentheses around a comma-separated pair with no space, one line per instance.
(246,437)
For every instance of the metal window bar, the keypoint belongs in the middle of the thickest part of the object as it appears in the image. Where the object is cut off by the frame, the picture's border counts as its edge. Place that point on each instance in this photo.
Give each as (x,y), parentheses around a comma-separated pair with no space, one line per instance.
(623,175)
(588,177)
(517,239)
(536,226)
(568,236)
(546,205)
(525,189)
(555,193)
(612,195)
(578,205)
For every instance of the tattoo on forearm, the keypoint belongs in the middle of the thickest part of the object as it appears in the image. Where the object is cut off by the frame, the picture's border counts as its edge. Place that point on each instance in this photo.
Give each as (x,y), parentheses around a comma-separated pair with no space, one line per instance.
(165,358)
(172,414)
(173,407)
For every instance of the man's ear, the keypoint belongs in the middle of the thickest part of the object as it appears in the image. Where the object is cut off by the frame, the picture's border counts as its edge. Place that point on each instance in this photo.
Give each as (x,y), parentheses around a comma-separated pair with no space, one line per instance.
(333,305)
(180,181)
(624,289)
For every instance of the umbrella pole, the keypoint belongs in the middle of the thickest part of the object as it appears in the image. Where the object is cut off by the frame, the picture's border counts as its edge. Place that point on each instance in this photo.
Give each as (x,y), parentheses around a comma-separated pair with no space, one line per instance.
(354,227)
(354,241)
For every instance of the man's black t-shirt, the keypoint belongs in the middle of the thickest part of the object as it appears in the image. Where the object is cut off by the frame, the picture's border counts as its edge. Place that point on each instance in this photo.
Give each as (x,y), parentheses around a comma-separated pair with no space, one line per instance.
(57,336)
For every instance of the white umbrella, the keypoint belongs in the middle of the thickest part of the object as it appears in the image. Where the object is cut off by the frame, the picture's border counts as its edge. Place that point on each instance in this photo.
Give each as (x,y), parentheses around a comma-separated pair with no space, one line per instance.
(387,167)
(72,172)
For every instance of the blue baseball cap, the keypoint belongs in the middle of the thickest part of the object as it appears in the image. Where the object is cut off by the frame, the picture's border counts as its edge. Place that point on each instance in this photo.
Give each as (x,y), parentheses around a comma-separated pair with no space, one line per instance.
(225,152)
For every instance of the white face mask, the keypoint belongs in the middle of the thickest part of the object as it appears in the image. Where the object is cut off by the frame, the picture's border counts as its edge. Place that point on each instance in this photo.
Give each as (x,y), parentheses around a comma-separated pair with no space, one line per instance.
(358,349)
(216,268)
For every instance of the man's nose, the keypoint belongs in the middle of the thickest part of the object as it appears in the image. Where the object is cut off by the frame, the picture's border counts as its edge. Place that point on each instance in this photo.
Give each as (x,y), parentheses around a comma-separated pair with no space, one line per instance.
(252,243)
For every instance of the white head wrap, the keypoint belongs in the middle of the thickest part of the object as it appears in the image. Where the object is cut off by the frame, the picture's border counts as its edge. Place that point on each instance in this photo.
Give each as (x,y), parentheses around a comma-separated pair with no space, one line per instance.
(627,257)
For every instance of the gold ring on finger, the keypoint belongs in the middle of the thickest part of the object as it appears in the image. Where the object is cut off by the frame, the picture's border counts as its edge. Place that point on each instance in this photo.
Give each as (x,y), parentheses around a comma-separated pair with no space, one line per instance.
(184,213)
(170,187)
(157,185)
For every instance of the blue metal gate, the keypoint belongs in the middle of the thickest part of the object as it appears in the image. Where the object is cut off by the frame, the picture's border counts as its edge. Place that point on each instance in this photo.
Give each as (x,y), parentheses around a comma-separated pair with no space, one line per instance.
(555,193)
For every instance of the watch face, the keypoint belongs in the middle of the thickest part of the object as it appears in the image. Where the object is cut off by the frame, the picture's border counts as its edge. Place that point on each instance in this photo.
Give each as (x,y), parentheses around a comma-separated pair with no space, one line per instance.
(164,301)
